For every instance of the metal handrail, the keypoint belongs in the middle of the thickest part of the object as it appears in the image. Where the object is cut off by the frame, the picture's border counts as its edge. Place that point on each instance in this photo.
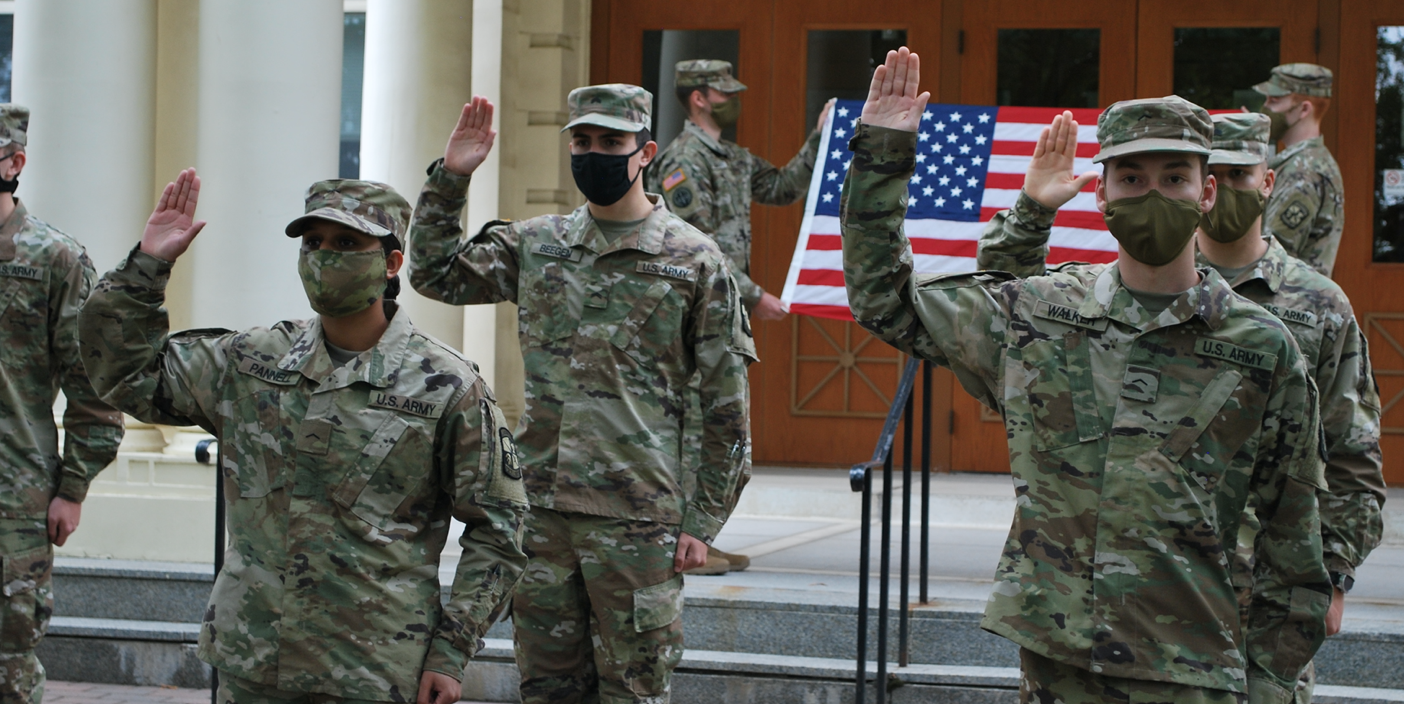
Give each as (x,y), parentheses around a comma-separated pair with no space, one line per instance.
(861,480)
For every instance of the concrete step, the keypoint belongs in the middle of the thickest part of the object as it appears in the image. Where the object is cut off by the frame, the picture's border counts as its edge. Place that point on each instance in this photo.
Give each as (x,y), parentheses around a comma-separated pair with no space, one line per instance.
(123,651)
(131,589)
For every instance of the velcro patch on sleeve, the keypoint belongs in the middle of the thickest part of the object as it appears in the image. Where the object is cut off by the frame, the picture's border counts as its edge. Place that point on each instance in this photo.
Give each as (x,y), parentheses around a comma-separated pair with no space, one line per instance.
(558,251)
(669,270)
(1070,316)
(408,405)
(1208,347)
(1292,315)
(272,375)
(20,271)
(673,180)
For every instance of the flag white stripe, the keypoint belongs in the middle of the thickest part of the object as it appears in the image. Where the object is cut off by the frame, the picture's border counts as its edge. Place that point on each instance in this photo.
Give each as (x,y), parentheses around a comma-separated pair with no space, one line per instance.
(1029,131)
(1070,237)
(1005,197)
(1009,164)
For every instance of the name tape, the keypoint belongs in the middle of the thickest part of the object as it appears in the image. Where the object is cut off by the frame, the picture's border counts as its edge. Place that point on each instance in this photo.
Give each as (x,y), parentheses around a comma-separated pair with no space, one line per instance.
(1064,314)
(676,272)
(1219,349)
(406,404)
(556,250)
(20,271)
(1292,315)
(272,375)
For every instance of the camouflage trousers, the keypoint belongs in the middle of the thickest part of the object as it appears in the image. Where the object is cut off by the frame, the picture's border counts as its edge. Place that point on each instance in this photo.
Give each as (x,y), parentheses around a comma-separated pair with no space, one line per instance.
(233,690)
(1243,583)
(597,616)
(1046,681)
(26,603)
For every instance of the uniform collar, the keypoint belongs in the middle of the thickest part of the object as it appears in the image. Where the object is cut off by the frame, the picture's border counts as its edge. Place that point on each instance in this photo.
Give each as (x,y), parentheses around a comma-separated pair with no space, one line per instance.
(1286,154)
(10,228)
(308,355)
(1110,298)
(690,127)
(647,238)
(1271,268)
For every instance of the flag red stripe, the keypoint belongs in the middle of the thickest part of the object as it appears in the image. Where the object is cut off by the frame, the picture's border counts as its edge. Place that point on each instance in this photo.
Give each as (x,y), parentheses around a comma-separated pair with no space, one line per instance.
(1043,116)
(949,248)
(1082,219)
(1015,182)
(820,311)
(1086,150)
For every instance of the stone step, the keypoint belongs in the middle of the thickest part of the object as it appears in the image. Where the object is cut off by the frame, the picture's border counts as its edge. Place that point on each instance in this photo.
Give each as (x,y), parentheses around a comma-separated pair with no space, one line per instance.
(131,589)
(123,651)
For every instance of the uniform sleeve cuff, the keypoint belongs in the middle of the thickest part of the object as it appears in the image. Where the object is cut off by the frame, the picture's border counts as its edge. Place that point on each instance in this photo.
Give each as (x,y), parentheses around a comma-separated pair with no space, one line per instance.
(1335,564)
(446,182)
(699,525)
(73,489)
(1033,214)
(142,269)
(445,659)
(880,140)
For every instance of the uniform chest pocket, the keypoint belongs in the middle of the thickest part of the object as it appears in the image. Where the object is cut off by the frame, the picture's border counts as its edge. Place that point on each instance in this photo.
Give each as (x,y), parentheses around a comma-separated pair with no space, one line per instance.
(1055,377)
(389,475)
(253,443)
(652,325)
(542,317)
(1201,446)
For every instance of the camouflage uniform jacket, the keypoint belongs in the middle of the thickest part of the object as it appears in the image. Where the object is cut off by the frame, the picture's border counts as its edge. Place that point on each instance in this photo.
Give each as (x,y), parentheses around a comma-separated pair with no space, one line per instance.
(44,277)
(1306,211)
(1320,317)
(610,335)
(341,483)
(1135,443)
(710,183)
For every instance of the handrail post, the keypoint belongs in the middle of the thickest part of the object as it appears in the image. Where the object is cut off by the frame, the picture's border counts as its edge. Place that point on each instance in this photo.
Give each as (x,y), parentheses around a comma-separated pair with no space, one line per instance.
(926,422)
(866,533)
(885,570)
(904,627)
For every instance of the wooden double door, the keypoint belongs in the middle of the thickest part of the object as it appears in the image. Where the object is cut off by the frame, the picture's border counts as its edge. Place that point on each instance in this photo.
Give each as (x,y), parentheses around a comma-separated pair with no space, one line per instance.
(822,386)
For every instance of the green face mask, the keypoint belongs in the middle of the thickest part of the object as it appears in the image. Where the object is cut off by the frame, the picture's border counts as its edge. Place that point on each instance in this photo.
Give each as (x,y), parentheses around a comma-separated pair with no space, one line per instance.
(726,114)
(1278,127)
(1151,228)
(339,284)
(1233,214)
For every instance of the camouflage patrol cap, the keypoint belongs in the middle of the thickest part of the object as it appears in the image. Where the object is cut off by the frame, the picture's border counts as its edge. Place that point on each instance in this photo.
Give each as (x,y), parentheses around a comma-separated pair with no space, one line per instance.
(1302,79)
(1240,138)
(617,106)
(364,206)
(14,124)
(1169,124)
(707,72)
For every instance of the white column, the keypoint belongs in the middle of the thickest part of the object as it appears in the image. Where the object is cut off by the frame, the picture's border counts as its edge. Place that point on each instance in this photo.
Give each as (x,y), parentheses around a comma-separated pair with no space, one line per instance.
(418,75)
(87,72)
(270,102)
(480,328)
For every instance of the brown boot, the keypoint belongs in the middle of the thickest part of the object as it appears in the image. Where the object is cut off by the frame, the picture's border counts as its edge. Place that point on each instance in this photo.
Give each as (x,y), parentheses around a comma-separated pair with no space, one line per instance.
(715,565)
(737,563)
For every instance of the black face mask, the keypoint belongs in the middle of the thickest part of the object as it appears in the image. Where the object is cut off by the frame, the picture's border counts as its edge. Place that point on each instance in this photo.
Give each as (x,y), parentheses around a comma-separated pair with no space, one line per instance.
(603,178)
(9,186)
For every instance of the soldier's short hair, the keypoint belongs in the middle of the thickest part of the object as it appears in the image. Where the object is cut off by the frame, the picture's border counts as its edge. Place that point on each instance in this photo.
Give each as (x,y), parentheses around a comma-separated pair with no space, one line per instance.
(684,94)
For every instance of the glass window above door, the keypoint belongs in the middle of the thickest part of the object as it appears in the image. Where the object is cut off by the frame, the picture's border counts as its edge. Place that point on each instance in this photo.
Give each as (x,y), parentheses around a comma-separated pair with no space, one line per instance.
(1389,145)
(1217,67)
(1049,68)
(662,50)
(840,64)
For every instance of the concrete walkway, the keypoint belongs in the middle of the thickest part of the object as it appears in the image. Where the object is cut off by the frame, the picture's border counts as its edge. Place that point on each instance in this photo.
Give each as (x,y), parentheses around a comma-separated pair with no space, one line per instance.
(84,693)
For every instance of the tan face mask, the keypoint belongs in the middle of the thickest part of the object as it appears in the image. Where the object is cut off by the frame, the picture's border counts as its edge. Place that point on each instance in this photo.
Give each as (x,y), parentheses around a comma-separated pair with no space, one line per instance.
(1151,228)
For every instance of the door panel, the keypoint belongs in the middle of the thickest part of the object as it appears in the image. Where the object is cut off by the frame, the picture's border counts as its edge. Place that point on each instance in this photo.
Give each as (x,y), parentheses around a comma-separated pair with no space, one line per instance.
(1362,268)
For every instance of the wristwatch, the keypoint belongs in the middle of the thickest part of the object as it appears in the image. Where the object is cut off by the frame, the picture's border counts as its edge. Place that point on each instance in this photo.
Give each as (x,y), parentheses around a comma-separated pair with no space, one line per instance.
(1342,581)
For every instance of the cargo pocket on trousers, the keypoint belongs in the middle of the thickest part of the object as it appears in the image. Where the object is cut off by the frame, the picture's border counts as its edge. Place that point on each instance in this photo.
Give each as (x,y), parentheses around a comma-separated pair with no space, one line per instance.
(658,606)
(28,599)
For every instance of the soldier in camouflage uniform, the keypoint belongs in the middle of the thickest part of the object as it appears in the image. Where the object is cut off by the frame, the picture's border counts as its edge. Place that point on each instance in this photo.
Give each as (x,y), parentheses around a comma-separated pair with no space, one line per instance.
(348,442)
(1316,311)
(620,303)
(1145,405)
(711,182)
(44,277)
(1306,212)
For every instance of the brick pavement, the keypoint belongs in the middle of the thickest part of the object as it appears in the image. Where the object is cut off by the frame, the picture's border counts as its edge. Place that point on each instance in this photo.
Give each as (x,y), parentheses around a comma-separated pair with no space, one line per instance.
(85,693)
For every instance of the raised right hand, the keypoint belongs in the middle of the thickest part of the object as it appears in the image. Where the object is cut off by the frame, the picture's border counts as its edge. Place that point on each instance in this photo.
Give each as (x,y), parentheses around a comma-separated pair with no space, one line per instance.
(472,138)
(1050,179)
(172,226)
(892,97)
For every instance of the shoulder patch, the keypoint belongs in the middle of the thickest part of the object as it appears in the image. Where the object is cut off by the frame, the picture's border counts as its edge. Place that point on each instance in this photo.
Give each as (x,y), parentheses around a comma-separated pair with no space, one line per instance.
(559,251)
(1069,316)
(673,179)
(1294,215)
(681,198)
(407,404)
(270,374)
(511,461)
(1209,347)
(501,463)
(1292,315)
(669,270)
(965,278)
(20,271)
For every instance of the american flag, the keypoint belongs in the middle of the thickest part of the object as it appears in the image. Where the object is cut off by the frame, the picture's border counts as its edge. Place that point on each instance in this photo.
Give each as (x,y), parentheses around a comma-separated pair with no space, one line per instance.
(971,161)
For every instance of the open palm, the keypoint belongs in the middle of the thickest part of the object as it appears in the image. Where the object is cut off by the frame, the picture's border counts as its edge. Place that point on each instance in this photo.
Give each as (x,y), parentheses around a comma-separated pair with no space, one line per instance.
(1050,179)
(172,226)
(893,101)
(472,138)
